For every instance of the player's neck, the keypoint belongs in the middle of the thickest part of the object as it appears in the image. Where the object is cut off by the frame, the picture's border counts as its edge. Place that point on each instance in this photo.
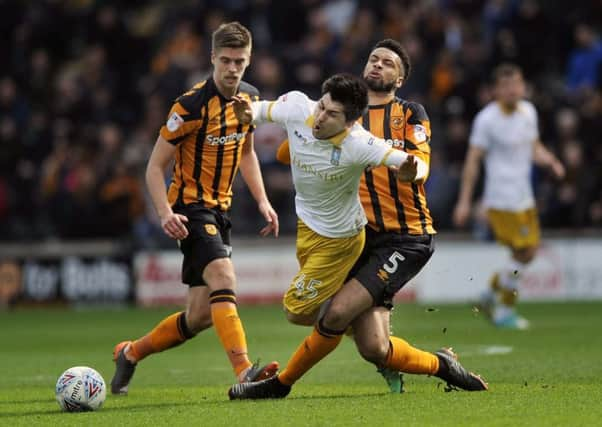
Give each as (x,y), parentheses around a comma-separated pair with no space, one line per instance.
(226,92)
(380,98)
(507,108)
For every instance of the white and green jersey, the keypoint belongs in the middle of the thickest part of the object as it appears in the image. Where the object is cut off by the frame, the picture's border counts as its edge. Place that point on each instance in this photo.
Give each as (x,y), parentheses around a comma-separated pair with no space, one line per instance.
(508,140)
(326,173)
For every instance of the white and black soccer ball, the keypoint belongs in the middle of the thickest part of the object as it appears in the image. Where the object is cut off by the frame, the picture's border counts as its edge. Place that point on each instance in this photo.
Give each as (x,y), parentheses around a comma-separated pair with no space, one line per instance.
(80,389)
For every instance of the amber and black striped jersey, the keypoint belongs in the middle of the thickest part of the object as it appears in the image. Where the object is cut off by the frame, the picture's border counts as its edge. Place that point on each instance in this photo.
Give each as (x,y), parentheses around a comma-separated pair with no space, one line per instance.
(391,205)
(209,140)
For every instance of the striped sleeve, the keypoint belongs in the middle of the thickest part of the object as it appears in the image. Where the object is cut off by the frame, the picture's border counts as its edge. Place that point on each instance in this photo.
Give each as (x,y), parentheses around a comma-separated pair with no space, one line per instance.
(417,132)
(184,117)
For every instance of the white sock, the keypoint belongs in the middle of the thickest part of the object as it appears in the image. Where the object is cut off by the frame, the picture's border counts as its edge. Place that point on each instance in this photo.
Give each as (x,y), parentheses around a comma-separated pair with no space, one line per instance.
(501,311)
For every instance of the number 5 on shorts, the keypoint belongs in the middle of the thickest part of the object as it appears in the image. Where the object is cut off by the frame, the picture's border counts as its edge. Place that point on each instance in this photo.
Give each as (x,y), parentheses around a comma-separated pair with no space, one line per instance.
(391,265)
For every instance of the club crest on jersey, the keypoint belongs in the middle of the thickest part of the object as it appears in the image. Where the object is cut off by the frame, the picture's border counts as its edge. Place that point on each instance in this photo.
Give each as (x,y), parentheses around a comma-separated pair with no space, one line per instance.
(211,229)
(335,156)
(174,122)
(397,122)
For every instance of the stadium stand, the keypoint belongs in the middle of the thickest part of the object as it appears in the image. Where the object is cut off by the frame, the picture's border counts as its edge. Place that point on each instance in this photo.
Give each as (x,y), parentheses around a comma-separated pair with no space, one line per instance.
(86,85)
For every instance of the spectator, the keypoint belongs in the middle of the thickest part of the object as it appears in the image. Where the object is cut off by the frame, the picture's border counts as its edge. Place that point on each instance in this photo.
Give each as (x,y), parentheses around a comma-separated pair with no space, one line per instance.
(585,60)
(85,84)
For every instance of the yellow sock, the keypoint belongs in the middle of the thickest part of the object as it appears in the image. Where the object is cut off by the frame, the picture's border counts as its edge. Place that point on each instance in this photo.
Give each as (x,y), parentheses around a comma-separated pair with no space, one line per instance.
(170,332)
(494,282)
(405,358)
(313,349)
(508,297)
(229,328)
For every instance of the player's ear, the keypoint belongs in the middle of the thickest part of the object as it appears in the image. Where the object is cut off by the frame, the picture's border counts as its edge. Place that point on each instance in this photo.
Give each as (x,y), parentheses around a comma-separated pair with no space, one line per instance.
(399,82)
(249,55)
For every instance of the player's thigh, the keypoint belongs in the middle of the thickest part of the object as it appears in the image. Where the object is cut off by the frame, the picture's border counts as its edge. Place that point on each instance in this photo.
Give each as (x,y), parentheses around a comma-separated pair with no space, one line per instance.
(518,230)
(208,240)
(327,263)
(349,302)
(391,262)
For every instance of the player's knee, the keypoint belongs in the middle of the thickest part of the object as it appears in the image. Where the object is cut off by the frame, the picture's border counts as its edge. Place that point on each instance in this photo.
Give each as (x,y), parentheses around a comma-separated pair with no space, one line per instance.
(335,317)
(220,280)
(373,351)
(525,255)
(529,255)
(219,275)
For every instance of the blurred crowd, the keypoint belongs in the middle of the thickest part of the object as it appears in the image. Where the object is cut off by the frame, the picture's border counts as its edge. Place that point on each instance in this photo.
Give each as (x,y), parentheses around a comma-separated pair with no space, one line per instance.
(86,85)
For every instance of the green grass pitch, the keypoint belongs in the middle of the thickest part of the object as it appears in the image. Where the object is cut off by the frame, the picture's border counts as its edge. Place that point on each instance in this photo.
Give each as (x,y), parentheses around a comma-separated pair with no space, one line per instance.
(549,375)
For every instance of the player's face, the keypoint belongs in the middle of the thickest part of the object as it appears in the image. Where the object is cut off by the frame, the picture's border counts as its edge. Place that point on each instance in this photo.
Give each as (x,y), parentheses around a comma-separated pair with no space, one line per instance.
(510,89)
(229,65)
(383,70)
(329,118)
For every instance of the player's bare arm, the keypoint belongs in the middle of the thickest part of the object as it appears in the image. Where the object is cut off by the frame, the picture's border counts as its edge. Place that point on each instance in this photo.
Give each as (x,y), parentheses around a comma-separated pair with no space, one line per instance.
(544,157)
(470,175)
(251,173)
(162,155)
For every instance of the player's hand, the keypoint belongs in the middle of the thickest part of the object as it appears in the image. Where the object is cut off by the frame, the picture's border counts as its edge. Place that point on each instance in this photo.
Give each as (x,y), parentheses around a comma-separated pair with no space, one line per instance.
(271,217)
(461,214)
(558,170)
(407,170)
(173,226)
(242,109)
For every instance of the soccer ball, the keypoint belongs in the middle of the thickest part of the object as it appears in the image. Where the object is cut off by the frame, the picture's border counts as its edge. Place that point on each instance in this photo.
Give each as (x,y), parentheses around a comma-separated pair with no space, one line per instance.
(80,389)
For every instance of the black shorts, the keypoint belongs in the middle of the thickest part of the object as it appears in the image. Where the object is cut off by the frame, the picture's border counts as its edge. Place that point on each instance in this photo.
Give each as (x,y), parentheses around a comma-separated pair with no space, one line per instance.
(389,261)
(208,239)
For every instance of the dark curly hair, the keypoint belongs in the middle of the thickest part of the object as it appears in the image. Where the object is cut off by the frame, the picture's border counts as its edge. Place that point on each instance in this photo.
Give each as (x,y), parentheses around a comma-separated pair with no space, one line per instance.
(395,46)
(350,91)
